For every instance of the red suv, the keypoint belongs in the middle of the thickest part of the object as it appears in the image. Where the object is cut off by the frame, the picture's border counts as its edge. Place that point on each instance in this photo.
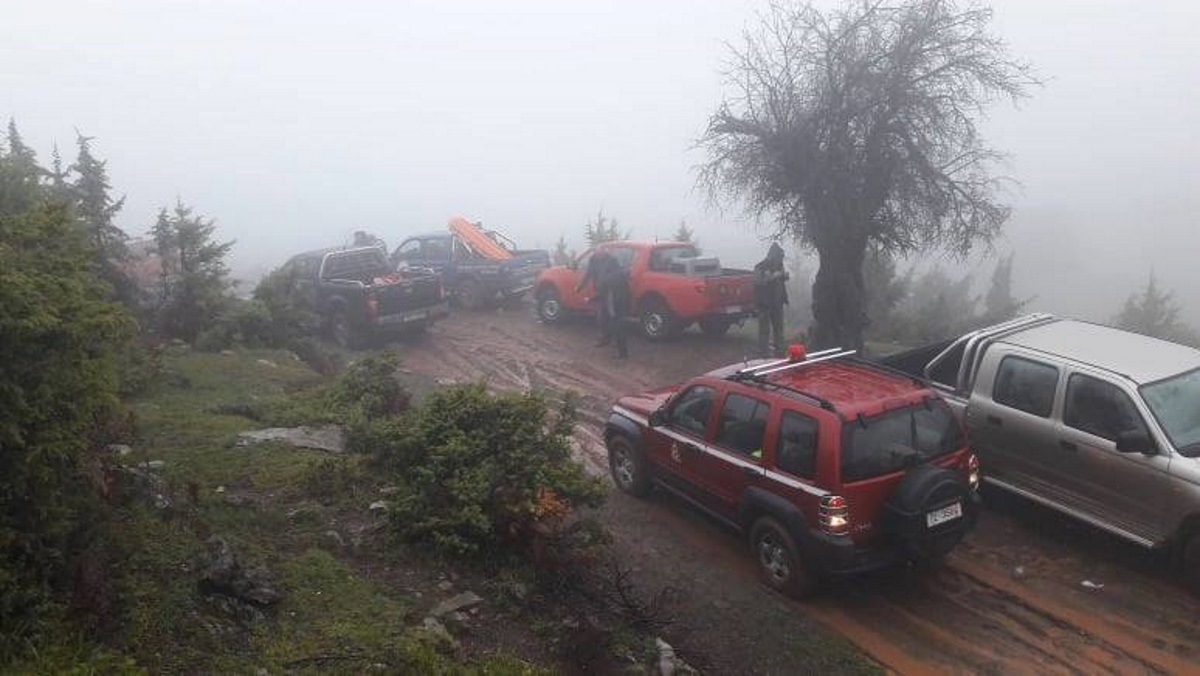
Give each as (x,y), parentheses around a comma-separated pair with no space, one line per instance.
(829,463)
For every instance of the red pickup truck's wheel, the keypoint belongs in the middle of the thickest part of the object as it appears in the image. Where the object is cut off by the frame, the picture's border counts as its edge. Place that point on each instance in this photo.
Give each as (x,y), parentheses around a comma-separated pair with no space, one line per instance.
(779,562)
(658,322)
(628,466)
(549,305)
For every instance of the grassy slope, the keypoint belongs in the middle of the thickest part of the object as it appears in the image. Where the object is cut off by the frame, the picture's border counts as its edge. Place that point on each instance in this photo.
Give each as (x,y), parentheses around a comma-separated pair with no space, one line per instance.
(332,620)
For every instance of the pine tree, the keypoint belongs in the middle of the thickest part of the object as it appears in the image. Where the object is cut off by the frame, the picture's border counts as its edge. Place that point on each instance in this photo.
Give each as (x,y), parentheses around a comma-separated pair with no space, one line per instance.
(60,190)
(195,280)
(685,234)
(1153,312)
(561,255)
(999,303)
(603,229)
(96,208)
(20,188)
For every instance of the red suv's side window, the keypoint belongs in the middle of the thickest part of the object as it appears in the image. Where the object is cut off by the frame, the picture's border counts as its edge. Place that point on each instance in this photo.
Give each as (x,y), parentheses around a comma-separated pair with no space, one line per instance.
(742,424)
(691,411)
(796,448)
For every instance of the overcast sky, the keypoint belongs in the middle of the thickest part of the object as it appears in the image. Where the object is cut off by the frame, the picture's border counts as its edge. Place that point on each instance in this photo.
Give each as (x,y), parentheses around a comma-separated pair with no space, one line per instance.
(293,124)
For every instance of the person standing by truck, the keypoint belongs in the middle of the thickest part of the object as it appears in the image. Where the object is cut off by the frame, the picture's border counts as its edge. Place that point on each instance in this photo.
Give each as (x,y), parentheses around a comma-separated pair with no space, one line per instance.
(610,295)
(770,295)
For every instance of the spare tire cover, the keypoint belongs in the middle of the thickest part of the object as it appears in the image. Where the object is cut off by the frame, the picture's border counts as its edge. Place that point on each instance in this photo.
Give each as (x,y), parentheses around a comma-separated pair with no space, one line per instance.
(924,489)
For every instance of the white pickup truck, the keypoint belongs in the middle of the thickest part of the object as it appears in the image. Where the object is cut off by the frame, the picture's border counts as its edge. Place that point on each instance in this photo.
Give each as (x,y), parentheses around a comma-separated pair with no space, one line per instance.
(1095,422)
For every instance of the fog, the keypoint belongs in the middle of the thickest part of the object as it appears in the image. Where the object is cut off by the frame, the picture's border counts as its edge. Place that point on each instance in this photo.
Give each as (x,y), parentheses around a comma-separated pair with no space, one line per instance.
(294,124)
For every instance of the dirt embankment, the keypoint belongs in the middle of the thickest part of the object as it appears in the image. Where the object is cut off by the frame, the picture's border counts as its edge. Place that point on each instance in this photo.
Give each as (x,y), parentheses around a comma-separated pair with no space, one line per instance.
(1012,599)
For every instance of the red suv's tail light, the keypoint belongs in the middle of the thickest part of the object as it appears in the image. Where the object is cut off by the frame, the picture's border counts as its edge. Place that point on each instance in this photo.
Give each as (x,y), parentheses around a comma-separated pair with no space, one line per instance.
(834,515)
(973,471)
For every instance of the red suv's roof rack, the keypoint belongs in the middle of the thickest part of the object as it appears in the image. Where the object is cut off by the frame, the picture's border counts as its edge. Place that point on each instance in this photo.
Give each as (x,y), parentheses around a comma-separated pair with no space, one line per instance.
(759,372)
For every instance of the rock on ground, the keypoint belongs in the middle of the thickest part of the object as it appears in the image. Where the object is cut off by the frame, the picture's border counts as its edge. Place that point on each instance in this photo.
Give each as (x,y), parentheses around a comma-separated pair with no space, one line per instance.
(223,573)
(329,438)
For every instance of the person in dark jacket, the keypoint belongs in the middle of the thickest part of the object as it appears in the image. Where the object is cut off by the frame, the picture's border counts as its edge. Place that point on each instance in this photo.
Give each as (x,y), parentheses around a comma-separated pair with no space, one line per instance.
(611,296)
(770,295)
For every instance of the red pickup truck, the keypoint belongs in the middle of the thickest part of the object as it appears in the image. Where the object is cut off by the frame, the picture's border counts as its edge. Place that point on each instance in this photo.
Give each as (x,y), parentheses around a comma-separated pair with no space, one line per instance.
(672,287)
(830,465)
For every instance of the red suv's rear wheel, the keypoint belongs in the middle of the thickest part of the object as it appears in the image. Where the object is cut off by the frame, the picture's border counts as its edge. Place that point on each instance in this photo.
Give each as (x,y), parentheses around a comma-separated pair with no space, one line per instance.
(779,562)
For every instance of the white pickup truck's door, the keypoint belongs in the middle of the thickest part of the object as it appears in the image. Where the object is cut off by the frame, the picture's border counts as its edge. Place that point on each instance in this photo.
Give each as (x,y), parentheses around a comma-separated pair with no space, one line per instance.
(1011,422)
(1128,491)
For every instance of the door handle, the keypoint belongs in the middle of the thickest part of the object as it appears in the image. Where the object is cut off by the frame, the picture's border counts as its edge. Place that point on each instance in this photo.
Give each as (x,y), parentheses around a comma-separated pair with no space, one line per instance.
(1068,445)
(996,420)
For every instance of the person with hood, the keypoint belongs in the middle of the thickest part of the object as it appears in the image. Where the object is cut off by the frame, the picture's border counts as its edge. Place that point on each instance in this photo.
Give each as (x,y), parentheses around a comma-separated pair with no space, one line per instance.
(770,295)
(611,296)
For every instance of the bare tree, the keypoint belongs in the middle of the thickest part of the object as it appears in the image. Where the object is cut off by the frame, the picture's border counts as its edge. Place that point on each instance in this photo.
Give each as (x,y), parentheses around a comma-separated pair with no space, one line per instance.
(858,127)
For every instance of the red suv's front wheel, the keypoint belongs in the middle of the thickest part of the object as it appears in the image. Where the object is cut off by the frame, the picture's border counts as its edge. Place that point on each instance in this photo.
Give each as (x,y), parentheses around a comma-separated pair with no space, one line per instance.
(779,562)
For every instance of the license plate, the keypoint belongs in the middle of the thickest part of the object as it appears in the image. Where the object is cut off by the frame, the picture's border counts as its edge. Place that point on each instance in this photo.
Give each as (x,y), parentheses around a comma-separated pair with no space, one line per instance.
(939,516)
(733,309)
(416,316)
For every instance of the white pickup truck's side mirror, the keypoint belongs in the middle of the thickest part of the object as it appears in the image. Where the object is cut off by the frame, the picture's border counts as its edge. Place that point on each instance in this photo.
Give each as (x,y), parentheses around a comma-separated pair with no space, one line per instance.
(1136,441)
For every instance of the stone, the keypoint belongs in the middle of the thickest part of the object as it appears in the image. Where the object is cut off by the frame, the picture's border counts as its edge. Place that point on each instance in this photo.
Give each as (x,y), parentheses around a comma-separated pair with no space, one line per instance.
(226,353)
(378,508)
(120,449)
(330,438)
(336,537)
(670,664)
(445,585)
(435,627)
(266,362)
(223,573)
(454,604)
(153,465)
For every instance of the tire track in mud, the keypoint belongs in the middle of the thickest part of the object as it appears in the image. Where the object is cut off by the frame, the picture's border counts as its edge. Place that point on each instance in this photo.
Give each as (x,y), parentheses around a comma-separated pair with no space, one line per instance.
(970,616)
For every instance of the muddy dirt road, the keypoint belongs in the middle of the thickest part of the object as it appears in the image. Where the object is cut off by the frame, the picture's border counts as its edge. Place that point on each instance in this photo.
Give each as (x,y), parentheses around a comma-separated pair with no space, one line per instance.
(1010,600)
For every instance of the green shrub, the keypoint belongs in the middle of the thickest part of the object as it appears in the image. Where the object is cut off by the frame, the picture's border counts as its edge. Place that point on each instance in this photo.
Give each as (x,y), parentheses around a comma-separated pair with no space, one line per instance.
(477,471)
(59,340)
(369,390)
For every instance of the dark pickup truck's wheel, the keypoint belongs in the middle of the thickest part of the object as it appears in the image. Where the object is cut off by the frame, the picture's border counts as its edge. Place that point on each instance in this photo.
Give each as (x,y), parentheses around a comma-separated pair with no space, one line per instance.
(344,334)
(658,322)
(779,562)
(715,326)
(927,489)
(549,305)
(628,466)
(470,294)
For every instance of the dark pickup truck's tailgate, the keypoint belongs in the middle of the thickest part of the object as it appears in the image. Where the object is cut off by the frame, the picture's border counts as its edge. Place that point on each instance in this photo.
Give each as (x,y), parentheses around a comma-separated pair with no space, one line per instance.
(522,270)
(408,296)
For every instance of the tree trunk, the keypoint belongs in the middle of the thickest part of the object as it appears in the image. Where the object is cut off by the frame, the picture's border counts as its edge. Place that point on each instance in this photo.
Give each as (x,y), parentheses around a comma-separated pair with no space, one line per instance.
(839,296)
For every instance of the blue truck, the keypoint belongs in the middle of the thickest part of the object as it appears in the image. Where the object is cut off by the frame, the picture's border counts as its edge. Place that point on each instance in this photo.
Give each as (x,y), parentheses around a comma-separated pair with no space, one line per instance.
(470,279)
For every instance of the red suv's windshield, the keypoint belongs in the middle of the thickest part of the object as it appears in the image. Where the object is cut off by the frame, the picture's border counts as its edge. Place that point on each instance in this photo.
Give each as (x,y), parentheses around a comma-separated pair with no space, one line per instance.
(898,439)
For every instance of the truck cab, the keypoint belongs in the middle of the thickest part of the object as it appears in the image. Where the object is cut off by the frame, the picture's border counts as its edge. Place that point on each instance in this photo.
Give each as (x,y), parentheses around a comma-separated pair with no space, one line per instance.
(1092,421)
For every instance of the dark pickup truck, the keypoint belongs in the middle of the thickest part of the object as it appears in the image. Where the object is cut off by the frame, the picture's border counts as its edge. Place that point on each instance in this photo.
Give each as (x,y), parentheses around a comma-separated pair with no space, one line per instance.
(473,280)
(359,296)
